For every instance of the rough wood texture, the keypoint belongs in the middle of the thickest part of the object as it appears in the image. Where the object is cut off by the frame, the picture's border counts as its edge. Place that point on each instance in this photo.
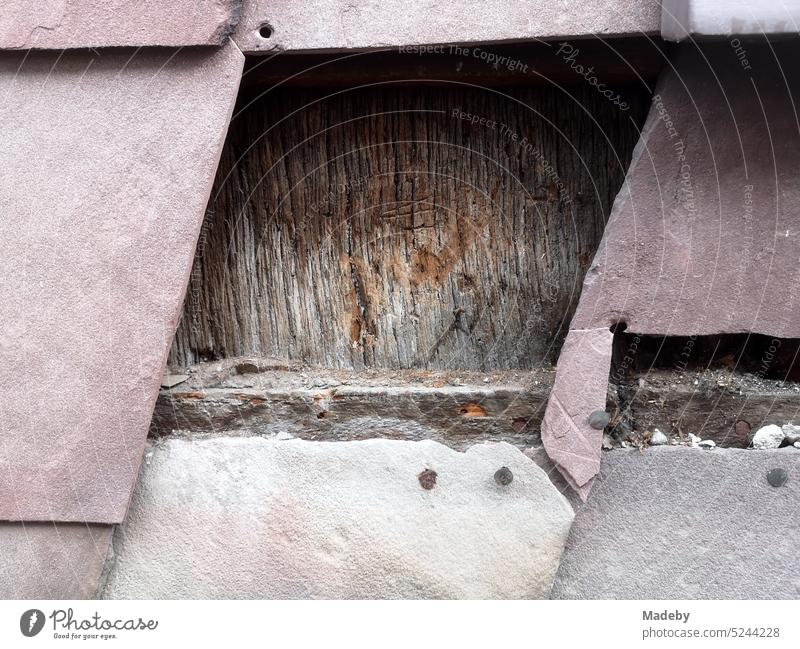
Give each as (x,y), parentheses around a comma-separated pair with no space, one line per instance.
(248,397)
(373,228)
(256,396)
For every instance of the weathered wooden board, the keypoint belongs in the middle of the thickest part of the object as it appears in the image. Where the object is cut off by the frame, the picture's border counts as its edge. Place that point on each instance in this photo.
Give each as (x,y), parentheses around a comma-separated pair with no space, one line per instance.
(246,397)
(250,396)
(380,227)
(722,388)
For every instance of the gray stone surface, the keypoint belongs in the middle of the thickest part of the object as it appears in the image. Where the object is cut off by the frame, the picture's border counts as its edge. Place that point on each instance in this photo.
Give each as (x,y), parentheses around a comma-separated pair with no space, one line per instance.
(107,164)
(337,24)
(658,438)
(52,560)
(697,18)
(65,24)
(678,523)
(791,433)
(258,518)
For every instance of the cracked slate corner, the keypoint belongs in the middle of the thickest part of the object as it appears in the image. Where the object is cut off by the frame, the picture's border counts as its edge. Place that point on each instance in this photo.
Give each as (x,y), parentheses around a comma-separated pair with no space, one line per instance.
(680,256)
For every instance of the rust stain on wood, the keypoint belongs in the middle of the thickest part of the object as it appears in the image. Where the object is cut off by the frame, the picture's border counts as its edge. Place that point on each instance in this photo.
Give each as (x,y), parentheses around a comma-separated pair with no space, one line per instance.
(373,228)
(393,404)
(473,410)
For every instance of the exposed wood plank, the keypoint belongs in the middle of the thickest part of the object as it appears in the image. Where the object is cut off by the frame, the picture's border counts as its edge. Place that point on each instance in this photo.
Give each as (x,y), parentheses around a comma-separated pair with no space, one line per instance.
(264,397)
(380,228)
(455,408)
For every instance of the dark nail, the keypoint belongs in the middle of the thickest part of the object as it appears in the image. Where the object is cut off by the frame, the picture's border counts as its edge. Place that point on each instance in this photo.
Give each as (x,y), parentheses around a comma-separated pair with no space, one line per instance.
(503,476)
(427,479)
(599,419)
(777,477)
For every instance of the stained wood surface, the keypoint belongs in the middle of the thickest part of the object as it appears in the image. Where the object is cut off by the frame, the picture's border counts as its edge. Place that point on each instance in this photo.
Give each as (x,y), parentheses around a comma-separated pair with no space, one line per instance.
(373,228)
(251,396)
(248,397)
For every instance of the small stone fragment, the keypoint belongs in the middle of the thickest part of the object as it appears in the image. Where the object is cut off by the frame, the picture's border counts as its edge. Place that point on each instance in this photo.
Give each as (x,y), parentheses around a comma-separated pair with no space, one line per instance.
(503,476)
(791,433)
(658,438)
(741,432)
(608,442)
(707,444)
(797,444)
(768,437)
(171,380)
(777,477)
(427,479)
(695,440)
(599,419)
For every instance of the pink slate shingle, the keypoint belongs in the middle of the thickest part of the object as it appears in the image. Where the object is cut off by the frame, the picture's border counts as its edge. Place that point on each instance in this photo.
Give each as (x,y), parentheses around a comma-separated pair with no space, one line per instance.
(703,237)
(71,24)
(105,170)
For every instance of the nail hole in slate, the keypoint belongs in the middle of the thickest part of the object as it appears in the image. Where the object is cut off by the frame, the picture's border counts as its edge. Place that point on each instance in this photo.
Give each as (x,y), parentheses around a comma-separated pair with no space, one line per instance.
(618,327)
(265,31)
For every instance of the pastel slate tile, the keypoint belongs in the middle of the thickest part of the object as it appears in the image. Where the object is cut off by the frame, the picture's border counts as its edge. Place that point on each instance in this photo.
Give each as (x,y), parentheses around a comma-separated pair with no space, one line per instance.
(337,25)
(71,24)
(684,523)
(107,164)
(259,518)
(703,236)
(52,560)
(579,390)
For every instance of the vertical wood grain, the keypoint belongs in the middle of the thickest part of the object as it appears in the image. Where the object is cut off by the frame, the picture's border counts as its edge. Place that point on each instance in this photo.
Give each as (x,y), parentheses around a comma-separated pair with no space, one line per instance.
(373,228)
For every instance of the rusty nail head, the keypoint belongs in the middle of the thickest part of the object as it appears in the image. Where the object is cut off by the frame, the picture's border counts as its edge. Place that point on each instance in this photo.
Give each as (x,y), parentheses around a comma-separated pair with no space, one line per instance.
(427,479)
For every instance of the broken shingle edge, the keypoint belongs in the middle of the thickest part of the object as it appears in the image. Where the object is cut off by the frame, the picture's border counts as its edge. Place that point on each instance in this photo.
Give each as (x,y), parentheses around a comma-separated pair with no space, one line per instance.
(681,254)
(581,386)
(579,389)
(226,29)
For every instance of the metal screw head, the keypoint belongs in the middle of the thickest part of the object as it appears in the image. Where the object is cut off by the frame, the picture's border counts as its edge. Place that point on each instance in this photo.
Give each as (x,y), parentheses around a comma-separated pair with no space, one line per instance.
(777,477)
(503,476)
(599,419)
(427,479)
